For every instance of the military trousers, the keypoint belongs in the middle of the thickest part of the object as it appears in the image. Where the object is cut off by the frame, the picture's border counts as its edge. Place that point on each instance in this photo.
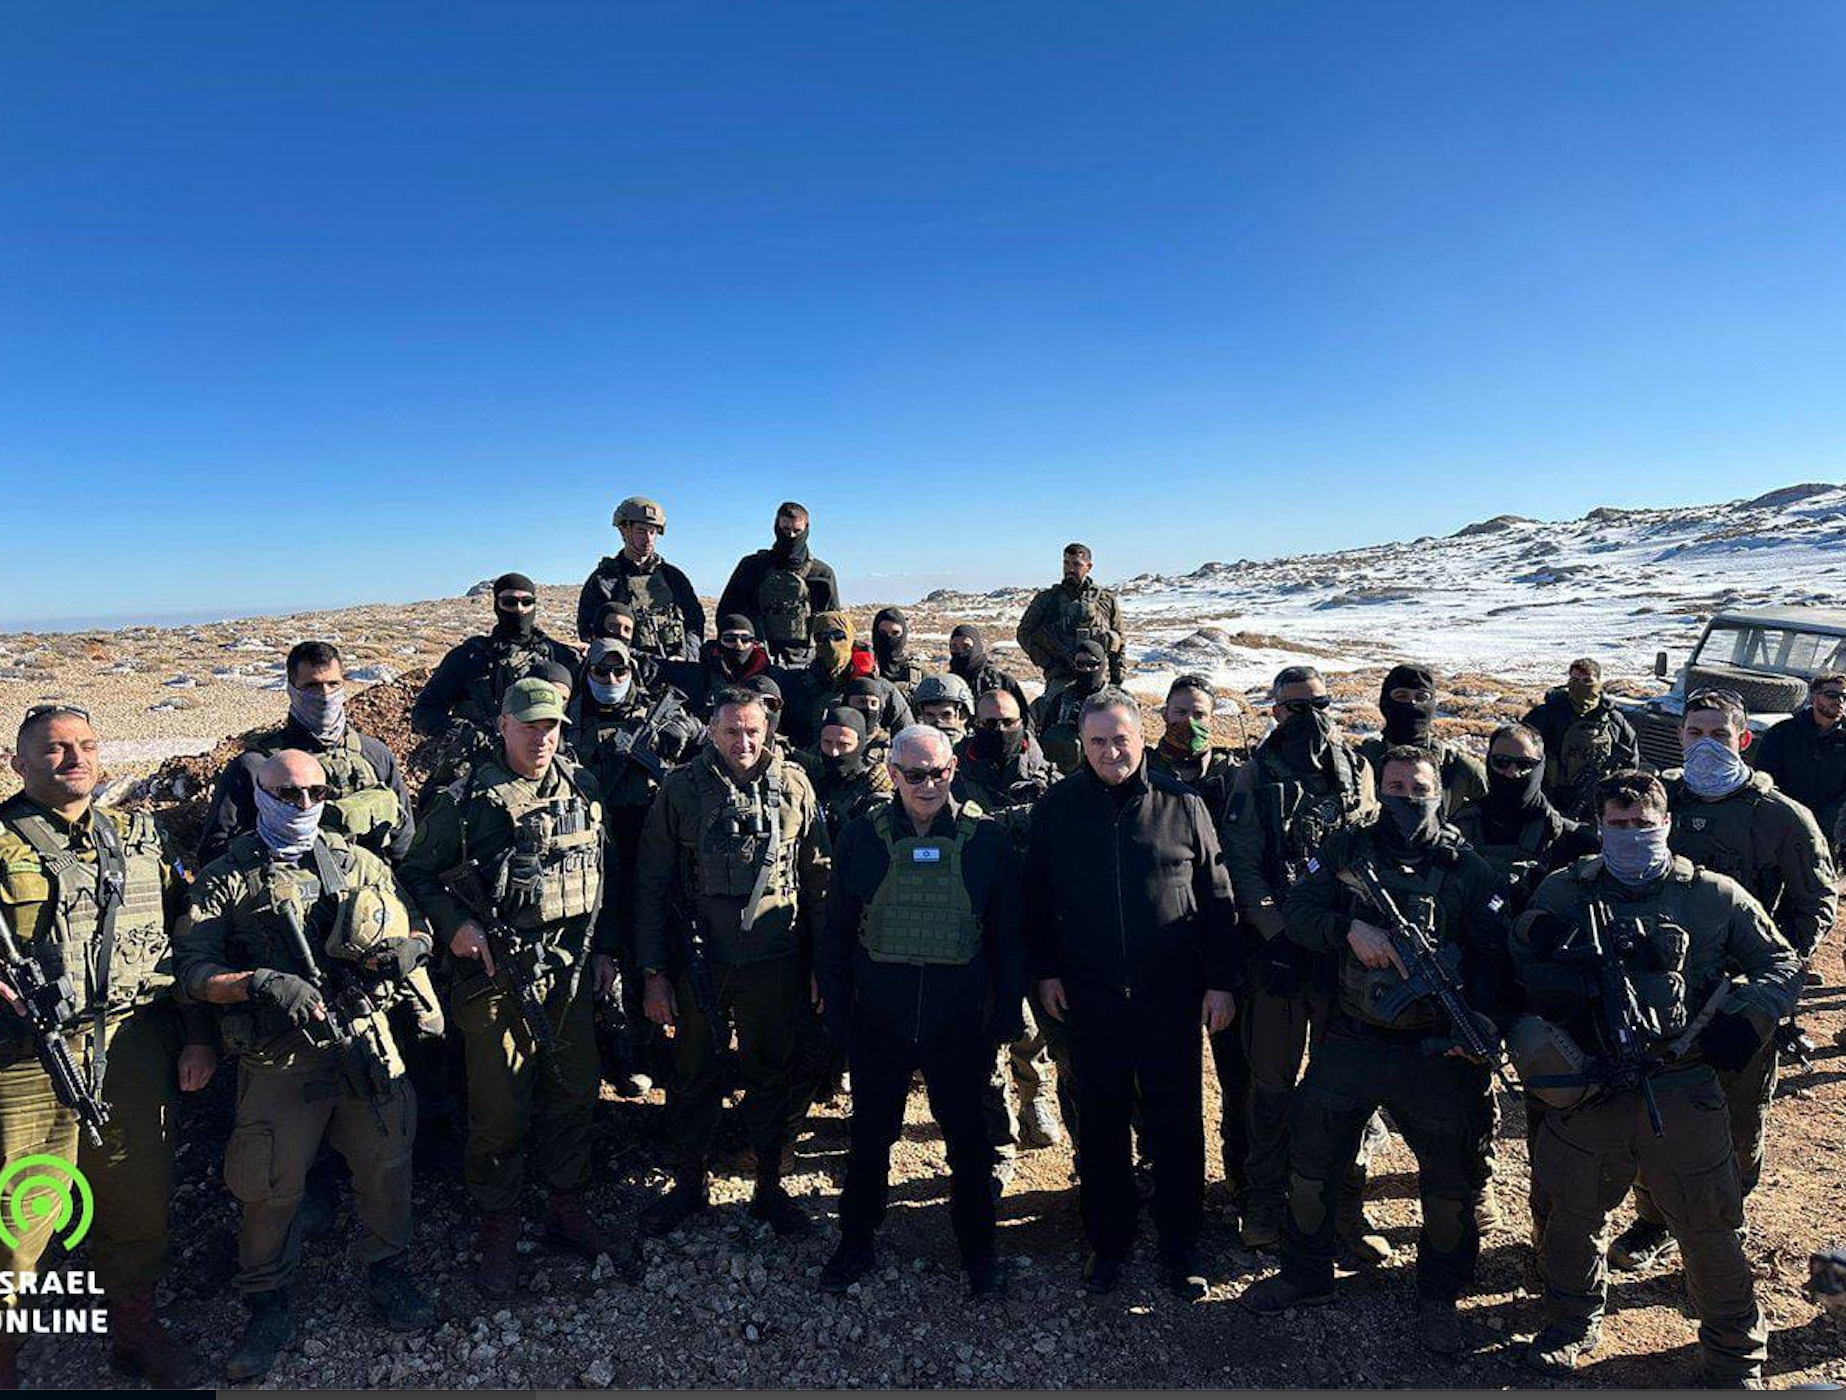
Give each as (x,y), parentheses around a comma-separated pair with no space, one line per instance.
(765,1002)
(1276,1029)
(1024,1063)
(525,1100)
(1588,1157)
(1147,1051)
(1748,1092)
(32,1123)
(1441,1104)
(131,1174)
(283,1113)
(954,1065)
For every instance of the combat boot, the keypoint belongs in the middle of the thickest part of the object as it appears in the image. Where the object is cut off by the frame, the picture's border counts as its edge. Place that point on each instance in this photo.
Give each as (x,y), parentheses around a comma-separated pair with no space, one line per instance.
(499,1242)
(1180,1272)
(399,1303)
(1278,1294)
(1439,1325)
(850,1263)
(986,1279)
(568,1227)
(139,1345)
(777,1209)
(1562,1347)
(1641,1244)
(1101,1273)
(1037,1127)
(1361,1244)
(687,1198)
(271,1328)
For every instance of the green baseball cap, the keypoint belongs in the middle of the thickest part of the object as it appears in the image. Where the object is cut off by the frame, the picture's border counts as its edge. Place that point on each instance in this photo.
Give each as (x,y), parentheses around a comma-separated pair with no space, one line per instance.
(532,699)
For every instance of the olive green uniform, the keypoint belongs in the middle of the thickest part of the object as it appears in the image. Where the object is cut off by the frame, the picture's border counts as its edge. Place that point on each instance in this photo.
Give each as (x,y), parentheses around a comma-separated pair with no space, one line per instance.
(1771,845)
(1371,1058)
(728,890)
(538,847)
(51,909)
(1693,929)
(291,1091)
(1062,616)
(1464,775)
(1280,811)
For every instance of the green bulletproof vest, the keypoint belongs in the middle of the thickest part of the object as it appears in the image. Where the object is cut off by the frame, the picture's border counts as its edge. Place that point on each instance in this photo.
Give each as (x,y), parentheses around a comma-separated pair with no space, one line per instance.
(140,966)
(554,865)
(1520,862)
(1078,617)
(783,600)
(1657,941)
(508,661)
(922,913)
(742,834)
(1585,750)
(659,627)
(1296,818)
(358,801)
(1418,898)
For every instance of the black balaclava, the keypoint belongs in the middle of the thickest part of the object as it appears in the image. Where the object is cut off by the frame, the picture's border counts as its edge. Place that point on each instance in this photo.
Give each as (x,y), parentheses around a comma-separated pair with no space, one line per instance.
(1093,681)
(790,551)
(735,660)
(1408,826)
(999,747)
(514,626)
(1407,724)
(891,653)
(969,666)
(1510,795)
(766,686)
(605,621)
(846,765)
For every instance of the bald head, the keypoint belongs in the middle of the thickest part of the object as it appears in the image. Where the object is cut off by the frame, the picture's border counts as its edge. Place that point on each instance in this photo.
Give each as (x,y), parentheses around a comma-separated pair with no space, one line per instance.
(292,769)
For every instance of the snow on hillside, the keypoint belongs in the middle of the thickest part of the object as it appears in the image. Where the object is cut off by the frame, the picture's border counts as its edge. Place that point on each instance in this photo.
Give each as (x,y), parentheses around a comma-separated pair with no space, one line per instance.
(1509,596)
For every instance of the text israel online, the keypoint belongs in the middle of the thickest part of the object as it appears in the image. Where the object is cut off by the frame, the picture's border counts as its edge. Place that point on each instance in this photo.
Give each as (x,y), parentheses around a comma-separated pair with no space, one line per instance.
(82,1314)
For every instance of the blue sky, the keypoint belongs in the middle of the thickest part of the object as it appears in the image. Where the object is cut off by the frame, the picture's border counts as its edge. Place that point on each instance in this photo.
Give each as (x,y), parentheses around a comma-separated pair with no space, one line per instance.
(313,303)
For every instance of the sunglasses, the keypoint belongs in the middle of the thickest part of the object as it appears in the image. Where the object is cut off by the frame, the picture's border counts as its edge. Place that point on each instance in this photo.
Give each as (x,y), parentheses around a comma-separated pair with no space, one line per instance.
(40,711)
(1830,695)
(736,639)
(998,722)
(916,777)
(293,795)
(832,636)
(1301,707)
(1512,763)
(1714,698)
(609,670)
(521,601)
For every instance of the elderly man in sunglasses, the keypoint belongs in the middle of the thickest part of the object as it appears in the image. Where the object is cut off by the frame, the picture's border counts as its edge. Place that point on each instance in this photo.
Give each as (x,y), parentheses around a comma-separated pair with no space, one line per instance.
(1303,783)
(1731,819)
(285,926)
(921,966)
(134,1047)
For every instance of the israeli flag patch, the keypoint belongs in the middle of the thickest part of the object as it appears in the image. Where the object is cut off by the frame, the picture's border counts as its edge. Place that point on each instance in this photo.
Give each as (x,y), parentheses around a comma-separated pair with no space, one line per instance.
(1313,865)
(1496,904)
(923,855)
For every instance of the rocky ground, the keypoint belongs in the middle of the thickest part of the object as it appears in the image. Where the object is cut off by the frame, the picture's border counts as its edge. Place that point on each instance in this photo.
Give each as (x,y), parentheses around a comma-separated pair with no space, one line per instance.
(727,1304)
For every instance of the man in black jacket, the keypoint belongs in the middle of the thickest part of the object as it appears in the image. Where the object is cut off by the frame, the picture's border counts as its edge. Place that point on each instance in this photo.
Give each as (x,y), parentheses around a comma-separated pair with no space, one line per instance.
(921,967)
(970,658)
(733,657)
(891,650)
(1586,739)
(1806,754)
(781,588)
(367,800)
(1133,938)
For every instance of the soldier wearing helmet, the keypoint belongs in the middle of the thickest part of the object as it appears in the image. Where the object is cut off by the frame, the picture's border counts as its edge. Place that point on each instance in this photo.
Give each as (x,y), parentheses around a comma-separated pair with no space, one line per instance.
(669,620)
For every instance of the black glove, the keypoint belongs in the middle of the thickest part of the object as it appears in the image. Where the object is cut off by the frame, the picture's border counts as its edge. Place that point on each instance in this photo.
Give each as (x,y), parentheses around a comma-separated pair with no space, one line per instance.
(394,959)
(296,997)
(1729,1042)
(1281,966)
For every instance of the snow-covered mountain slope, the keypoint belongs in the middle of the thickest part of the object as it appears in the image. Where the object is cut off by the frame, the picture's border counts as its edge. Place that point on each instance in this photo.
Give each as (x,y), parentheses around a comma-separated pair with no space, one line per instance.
(1509,596)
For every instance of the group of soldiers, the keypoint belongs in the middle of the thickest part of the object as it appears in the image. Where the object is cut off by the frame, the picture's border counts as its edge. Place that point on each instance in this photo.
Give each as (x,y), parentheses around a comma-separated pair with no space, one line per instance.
(753,862)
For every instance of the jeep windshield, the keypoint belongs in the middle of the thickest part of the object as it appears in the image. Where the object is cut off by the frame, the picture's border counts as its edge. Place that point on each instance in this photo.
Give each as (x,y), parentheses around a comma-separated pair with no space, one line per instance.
(1781,651)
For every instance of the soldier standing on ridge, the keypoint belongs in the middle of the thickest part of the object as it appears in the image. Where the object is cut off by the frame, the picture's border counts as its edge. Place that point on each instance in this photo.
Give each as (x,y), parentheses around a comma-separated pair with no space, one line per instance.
(669,619)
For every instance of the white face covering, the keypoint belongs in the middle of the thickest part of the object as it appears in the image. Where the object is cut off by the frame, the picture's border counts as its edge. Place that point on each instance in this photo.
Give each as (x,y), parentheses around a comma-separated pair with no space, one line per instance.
(611,692)
(322,714)
(1713,770)
(286,829)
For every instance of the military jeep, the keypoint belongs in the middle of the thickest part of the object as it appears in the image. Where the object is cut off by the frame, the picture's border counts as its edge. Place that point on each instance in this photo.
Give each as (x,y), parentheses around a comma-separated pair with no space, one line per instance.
(1767,656)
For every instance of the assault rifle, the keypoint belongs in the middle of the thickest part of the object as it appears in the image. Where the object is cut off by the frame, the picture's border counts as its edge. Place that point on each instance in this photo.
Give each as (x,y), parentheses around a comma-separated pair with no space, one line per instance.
(45,1007)
(637,744)
(1628,1065)
(1431,970)
(683,920)
(520,963)
(351,1027)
